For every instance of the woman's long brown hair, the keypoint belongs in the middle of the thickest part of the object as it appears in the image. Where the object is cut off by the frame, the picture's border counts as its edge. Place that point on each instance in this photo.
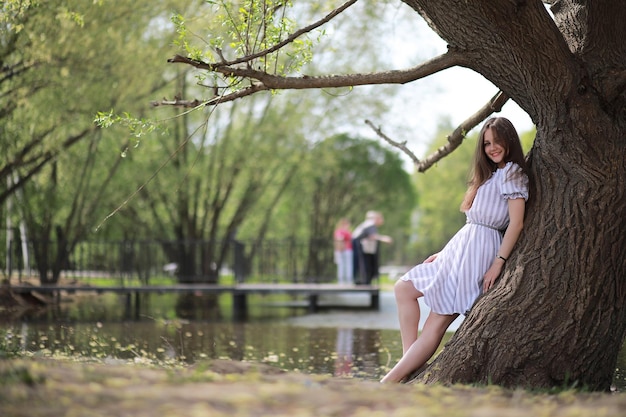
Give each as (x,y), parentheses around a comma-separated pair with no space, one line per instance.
(505,135)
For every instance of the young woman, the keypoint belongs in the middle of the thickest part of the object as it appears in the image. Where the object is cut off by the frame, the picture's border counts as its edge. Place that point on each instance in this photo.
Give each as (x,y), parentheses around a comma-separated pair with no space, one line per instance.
(451,280)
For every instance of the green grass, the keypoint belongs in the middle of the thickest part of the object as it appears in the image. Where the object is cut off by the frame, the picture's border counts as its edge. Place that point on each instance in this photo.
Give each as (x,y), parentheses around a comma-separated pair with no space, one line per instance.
(225,388)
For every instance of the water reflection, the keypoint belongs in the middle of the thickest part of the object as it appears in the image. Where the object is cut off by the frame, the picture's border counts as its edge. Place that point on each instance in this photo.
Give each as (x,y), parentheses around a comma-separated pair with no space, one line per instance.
(363,353)
(343,349)
(98,328)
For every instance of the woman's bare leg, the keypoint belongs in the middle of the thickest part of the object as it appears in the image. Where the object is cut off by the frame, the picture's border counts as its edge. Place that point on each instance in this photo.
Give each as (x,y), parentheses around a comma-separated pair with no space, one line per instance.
(423,348)
(408,312)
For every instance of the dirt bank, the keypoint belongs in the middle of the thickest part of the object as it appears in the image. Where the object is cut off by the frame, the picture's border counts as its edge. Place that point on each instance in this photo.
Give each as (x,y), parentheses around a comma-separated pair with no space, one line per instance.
(45,387)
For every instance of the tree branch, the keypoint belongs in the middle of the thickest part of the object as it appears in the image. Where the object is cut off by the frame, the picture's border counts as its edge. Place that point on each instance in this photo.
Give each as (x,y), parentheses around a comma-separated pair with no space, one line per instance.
(278,82)
(265,81)
(399,145)
(40,161)
(455,139)
(291,37)
(178,102)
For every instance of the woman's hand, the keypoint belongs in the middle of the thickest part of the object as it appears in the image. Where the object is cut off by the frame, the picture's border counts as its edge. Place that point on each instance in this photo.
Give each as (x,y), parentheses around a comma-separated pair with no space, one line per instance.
(431,258)
(492,274)
(517,207)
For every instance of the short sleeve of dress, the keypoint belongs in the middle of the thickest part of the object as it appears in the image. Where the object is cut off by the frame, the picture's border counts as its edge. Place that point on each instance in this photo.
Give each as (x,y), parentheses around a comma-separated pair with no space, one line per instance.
(514,182)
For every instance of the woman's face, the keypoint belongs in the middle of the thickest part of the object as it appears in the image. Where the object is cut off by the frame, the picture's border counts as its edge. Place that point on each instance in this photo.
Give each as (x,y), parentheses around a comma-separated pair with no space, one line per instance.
(493,149)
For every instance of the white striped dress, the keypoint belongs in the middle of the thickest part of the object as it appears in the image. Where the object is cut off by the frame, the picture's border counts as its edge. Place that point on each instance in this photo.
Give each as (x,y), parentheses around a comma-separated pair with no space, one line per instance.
(453,281)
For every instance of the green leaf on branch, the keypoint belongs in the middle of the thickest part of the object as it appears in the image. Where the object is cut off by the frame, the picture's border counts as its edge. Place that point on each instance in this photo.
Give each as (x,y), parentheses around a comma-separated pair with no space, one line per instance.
(137,127)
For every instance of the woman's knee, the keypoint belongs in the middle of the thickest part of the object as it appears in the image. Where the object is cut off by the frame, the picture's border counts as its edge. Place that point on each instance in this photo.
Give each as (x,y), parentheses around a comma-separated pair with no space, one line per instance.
(406,290)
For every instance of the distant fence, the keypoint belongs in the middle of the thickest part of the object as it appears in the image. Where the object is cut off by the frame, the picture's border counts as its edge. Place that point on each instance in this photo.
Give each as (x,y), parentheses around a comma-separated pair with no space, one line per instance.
(269,261)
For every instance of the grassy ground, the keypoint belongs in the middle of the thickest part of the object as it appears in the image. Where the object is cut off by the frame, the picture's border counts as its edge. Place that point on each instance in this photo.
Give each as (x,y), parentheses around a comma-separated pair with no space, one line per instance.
(48,387)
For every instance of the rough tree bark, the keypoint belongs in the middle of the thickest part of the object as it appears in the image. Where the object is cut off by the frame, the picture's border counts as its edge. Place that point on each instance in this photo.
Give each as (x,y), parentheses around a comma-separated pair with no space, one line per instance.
(557,316)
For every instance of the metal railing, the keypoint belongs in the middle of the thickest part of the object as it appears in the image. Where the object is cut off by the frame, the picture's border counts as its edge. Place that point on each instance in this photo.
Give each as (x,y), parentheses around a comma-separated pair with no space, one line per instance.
(156,262)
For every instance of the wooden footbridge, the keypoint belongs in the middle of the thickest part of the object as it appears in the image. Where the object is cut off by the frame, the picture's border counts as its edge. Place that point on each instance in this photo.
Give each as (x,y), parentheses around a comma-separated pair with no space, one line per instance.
(239,292)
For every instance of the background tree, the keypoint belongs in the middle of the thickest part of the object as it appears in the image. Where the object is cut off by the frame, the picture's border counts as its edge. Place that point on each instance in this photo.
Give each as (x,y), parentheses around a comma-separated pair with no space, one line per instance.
(201,178)
(219,175)
(345,176)
(229,171)
(558,312)
(71,59)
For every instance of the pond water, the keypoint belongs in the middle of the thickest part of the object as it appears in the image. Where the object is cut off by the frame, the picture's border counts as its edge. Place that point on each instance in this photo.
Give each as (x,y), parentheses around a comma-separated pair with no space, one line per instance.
(357,343)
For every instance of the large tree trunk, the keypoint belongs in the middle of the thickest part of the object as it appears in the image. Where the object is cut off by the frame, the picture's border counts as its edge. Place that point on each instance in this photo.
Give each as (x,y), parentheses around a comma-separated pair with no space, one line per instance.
(557,316)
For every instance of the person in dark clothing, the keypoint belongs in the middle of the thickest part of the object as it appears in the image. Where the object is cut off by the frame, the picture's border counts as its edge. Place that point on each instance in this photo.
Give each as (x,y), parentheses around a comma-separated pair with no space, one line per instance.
(365,238)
